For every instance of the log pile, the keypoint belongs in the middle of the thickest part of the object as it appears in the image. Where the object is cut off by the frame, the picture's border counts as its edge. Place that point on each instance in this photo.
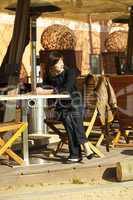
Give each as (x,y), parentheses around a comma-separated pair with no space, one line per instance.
(58,37)
(117,41)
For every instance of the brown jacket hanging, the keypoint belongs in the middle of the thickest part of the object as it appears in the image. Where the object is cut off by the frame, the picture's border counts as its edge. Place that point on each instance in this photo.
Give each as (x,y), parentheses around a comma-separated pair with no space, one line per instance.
(106,99)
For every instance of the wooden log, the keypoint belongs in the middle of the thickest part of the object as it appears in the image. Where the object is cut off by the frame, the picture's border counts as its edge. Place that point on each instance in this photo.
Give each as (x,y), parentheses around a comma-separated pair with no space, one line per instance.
(124,170)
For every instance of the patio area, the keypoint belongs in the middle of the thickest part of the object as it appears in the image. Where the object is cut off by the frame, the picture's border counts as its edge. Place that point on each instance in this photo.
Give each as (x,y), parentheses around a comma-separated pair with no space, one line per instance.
(53,170)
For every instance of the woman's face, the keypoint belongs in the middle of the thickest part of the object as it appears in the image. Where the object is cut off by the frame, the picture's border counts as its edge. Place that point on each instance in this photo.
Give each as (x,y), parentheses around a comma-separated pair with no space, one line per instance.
(57,68)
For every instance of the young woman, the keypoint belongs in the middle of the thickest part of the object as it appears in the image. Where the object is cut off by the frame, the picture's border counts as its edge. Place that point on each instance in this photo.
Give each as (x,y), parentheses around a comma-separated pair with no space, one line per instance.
(63,79)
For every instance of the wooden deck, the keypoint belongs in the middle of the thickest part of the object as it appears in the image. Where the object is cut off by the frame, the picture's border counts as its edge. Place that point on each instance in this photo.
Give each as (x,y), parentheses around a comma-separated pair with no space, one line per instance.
(53,170)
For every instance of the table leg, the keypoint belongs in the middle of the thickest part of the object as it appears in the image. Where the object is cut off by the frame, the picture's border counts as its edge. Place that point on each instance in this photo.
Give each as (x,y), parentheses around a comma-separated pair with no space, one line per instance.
(45,125)
(25,134)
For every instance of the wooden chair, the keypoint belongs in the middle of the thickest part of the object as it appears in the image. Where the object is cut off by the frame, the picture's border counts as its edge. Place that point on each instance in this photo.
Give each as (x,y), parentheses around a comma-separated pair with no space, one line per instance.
(52,124)
(90,120)
(89,99)
(94,108)
(123,138)
(16,129)
(10,131)
(91,115)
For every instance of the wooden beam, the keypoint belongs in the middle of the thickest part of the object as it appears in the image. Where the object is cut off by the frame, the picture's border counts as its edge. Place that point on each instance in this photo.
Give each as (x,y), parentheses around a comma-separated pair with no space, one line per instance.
(130,44)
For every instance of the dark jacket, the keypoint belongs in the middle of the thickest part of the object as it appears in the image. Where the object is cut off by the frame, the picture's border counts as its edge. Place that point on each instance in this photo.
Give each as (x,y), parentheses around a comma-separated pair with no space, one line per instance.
(65,83)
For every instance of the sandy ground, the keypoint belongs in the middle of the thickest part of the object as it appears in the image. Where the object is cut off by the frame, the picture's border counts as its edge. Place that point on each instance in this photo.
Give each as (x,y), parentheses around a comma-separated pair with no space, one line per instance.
(73,191)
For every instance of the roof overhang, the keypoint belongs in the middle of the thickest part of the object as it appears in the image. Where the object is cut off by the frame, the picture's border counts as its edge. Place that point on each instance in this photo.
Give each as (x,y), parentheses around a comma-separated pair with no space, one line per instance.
(79,9)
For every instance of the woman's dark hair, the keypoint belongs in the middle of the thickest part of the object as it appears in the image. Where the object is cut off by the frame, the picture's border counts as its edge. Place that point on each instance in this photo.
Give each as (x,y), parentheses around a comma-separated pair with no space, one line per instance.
(53,58)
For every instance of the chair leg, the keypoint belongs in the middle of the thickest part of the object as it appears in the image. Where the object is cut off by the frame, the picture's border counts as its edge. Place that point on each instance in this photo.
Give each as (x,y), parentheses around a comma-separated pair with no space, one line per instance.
(59,147)
(100,140)
(13,155)
(53,127)
(116,139)
(125,135)
(95,150)
(88,132)
(57,131)
(91,123)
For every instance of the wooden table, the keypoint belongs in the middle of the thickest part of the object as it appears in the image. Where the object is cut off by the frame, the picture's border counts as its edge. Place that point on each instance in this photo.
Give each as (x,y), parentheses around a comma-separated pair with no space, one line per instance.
(24,99)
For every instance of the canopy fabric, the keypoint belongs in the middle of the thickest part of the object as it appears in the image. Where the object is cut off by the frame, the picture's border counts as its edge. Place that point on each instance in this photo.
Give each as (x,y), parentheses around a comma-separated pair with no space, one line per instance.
(78,9)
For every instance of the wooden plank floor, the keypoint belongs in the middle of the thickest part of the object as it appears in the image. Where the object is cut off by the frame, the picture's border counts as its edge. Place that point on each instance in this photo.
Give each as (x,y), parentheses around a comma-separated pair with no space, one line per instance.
(53,169)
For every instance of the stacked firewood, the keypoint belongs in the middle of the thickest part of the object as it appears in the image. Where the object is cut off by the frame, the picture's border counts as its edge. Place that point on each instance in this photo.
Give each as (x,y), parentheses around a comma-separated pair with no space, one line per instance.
(117,41)
(58,37)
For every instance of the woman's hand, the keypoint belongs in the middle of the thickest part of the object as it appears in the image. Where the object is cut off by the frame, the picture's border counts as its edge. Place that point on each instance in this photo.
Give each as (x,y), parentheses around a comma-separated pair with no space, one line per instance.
(40,90)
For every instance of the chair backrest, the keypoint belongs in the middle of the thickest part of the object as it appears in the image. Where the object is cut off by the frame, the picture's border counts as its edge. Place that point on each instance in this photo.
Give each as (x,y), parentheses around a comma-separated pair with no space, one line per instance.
(86,86)
(97,93)
(89,97)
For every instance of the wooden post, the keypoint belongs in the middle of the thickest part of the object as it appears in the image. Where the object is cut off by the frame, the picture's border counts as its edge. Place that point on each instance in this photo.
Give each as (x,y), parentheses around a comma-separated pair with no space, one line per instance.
(130,44)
